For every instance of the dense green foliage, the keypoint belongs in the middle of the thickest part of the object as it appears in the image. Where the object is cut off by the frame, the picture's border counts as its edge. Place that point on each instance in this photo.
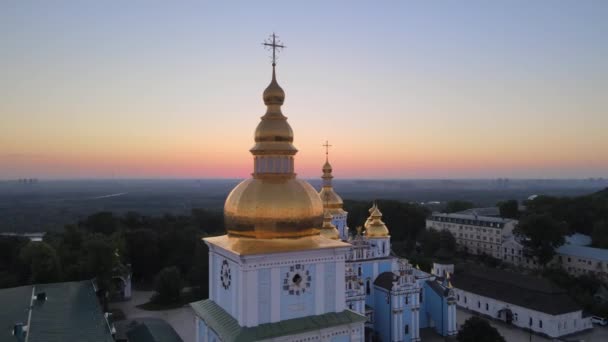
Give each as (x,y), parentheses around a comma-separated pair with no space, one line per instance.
(477,329)
(582,214)
(541,235)
(582,289)
(168,285)
(101,244)
(455,206)
(509,209)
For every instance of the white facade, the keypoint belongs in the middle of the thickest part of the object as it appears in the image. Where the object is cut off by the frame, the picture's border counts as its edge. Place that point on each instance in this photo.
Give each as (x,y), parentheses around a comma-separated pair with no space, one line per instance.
(551,325)
(257,293)
(474,234)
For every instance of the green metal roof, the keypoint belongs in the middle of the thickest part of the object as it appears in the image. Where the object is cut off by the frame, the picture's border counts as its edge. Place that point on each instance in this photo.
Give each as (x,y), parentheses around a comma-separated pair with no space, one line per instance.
(151,330)
(229,330)
(14,304)
(70,312)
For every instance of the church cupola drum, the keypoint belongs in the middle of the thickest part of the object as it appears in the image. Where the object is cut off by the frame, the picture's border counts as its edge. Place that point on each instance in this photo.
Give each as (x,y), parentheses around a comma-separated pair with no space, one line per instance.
(273,203)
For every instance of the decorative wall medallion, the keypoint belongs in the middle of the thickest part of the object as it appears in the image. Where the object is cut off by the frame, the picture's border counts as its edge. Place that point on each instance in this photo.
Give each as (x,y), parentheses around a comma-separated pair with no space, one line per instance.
(225,275)
(297,281)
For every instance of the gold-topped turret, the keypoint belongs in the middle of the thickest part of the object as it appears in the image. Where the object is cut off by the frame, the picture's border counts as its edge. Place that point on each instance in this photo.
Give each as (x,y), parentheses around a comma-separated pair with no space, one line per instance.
(375,227)
(274,203)
(328,230)
(331,200)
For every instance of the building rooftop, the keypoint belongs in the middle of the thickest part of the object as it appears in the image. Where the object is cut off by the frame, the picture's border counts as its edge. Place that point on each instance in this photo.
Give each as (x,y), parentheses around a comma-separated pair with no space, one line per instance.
(522,290)
(578,239)
(470,219)
(249,246)
(385,280)
(146,330)
(487,211)
(584,252)
(229,330)
(70,312)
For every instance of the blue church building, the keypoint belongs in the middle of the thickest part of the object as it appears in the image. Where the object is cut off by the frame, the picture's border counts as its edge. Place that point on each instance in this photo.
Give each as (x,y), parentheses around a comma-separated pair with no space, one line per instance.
(289,269)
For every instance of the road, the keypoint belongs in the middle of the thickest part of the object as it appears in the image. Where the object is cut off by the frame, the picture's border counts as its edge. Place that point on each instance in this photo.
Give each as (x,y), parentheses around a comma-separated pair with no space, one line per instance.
(181,319)
(514,334)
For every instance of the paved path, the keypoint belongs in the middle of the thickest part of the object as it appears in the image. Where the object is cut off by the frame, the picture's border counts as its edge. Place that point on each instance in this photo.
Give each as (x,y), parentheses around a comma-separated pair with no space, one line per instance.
(181,319)
(514,334)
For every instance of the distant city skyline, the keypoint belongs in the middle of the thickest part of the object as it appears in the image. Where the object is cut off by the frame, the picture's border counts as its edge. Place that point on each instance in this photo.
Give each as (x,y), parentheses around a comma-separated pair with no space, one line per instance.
(419,90)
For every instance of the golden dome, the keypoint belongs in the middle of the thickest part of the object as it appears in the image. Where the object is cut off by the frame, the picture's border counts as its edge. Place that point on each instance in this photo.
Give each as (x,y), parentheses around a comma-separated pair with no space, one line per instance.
(331,200)
(273,134)
(273,204)
(274,94)
(271,207)
(374,227)
(328,230)
(369,218)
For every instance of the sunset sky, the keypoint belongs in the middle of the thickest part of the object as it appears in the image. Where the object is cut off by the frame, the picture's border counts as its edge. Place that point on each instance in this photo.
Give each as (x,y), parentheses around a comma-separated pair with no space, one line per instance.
(428,89)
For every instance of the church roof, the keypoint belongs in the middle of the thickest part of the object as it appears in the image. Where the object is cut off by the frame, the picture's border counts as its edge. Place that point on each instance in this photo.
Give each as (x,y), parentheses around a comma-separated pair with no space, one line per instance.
(229,330)
(71,312)
(385,280)
(147,330)
(517,289)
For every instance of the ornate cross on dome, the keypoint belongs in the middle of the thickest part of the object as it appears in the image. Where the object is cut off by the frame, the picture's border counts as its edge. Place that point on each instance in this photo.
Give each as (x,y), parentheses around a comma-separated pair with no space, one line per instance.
(275,44)
(327,146)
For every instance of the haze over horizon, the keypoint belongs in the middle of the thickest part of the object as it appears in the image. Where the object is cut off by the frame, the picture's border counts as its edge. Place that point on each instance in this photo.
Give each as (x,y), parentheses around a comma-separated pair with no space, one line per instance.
(402,90)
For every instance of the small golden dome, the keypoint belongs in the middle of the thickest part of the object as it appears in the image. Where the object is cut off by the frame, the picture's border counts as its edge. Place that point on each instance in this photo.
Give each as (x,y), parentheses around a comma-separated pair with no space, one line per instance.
(331,200)
(273,135)
(369,218)
(274,94)
(375,227)
(273,207)
(328,230)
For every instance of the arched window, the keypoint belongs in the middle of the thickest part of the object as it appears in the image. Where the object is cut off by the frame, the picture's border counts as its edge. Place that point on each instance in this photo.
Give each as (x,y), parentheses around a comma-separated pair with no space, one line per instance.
(367,288)
(359,271)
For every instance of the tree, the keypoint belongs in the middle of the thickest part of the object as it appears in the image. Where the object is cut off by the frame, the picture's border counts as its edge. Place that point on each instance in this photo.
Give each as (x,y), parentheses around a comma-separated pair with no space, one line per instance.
(99,260)
(541,234)
(43,261)
(447,245)
(142,247)
(509,209)
(430,242)
(102,222)
(476,329)
(599,236)
(454,206)
(168,286)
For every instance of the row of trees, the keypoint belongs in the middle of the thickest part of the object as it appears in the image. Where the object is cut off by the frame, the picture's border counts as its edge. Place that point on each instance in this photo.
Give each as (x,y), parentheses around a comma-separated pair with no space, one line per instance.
(101,243)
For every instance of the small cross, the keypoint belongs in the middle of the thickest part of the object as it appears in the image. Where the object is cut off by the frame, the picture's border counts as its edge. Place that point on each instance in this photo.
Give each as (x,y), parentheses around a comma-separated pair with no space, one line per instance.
(273,43)
(327,146)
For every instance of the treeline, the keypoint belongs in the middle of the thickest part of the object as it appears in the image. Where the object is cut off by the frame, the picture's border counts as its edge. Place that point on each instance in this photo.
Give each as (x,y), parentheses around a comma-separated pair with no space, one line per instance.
(105,243)
(586,214)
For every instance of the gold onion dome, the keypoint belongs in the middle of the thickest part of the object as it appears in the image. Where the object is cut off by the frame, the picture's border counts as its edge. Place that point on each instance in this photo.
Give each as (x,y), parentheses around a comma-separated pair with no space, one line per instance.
(273,203)
(331,200)
(328,230)
(369,218)
(375,227)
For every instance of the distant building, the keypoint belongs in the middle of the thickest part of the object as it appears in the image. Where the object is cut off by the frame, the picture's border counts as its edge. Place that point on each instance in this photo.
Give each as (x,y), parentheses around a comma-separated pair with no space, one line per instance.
(580,260)
(524,301)
(56,312)
(473,233)
(35,237)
